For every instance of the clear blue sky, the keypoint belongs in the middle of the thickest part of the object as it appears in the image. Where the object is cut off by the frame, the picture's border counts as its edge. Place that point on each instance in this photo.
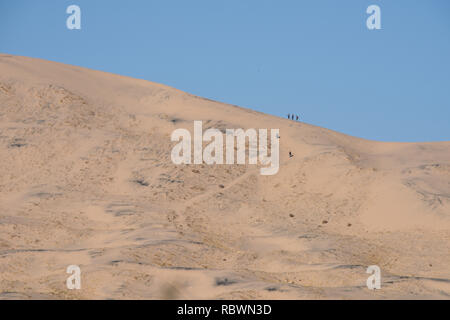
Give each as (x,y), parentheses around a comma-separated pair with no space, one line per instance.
(315,58)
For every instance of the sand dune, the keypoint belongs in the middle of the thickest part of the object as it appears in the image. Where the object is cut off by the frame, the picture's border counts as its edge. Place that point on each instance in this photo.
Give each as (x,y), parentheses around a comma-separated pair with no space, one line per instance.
(86,178)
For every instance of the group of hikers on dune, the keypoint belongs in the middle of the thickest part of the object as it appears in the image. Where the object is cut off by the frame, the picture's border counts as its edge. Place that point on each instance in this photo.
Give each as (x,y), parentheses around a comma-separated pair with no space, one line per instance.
(291,117)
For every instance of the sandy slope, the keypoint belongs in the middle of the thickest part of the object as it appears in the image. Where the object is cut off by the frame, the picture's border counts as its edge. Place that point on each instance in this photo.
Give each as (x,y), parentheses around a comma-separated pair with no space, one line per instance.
(86,178)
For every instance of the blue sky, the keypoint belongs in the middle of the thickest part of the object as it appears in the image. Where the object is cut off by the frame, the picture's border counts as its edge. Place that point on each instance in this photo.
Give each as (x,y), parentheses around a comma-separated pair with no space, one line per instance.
(315,58)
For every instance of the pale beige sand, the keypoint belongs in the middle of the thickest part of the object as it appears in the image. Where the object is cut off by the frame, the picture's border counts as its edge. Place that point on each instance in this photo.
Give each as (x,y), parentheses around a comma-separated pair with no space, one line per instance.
(74,142)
